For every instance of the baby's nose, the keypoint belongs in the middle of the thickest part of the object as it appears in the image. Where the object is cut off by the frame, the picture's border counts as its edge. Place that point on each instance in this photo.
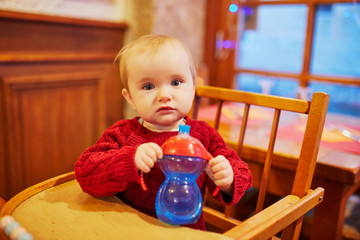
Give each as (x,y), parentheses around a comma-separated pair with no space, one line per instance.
(164,94)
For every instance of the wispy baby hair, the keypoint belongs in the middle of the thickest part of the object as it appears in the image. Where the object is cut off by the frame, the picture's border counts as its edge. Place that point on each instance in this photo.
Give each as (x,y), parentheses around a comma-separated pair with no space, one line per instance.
(149,44)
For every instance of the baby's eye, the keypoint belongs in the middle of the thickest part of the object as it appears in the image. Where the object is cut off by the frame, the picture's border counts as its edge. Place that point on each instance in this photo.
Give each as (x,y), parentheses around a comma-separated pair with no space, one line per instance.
(148,86)
(176,82)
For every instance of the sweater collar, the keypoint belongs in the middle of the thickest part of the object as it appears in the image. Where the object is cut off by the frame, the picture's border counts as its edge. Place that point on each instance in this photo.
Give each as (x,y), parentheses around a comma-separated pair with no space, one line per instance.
(148,134)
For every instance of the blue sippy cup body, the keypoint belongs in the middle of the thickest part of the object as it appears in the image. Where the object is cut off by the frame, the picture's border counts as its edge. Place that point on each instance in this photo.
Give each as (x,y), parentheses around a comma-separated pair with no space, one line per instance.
(179,199)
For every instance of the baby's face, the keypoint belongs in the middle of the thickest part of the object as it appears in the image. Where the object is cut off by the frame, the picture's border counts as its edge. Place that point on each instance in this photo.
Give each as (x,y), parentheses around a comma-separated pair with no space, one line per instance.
(161,87)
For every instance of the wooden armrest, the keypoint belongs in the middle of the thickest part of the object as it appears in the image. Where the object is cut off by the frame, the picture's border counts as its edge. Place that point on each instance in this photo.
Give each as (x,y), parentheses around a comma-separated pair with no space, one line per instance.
(218,219)
(276,217)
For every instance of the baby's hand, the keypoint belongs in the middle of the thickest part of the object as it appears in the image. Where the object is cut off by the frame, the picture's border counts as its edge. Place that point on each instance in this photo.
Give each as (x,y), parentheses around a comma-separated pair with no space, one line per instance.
(221,172)
(146,156)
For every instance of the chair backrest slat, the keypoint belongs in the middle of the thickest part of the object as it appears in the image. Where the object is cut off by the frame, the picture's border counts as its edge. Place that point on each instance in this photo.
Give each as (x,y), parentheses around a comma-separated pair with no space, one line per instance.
(218,114)
(243,129)
(268,161)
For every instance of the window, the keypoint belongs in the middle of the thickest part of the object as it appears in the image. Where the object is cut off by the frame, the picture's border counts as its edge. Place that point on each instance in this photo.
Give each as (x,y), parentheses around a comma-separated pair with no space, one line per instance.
(292,48)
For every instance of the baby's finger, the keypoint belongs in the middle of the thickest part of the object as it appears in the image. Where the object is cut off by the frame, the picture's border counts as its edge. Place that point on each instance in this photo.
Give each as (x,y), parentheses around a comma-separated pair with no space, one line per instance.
(209,172)
(216,160)
(223,181)
(149,161)
(221,166)
(157,150)
(221,175)
(143,167)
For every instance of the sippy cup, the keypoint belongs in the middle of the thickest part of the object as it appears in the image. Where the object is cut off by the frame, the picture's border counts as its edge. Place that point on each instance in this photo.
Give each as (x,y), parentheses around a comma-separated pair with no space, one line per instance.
(179,199)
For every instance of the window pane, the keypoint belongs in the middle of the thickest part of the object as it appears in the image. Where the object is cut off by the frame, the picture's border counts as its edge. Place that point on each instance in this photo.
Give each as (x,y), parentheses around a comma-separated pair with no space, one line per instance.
(336,46)
(272,37)
(274,86)
(343,99)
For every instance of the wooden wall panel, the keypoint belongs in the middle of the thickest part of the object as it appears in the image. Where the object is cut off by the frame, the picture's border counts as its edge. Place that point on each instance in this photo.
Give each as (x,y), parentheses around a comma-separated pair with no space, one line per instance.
(59,90)
(51,120)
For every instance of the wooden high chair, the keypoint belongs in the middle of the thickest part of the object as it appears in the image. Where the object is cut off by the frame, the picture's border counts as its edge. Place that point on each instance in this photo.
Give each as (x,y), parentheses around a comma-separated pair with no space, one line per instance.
(285,215)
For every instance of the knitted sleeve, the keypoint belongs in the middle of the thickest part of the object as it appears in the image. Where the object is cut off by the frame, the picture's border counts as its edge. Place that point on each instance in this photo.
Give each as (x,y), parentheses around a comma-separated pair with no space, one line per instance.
(216,145)
(108,167)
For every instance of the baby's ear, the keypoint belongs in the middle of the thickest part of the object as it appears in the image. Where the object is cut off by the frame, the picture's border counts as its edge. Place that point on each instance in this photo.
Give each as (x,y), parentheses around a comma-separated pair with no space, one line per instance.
(128,97)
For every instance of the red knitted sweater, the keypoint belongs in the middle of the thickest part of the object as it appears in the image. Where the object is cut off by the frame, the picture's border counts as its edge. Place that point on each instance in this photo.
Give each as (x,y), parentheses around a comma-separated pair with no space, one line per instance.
(108,167)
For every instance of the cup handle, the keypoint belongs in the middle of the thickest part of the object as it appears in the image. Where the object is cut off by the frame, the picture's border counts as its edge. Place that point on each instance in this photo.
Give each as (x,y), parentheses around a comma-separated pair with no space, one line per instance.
(216,191)
(142,182)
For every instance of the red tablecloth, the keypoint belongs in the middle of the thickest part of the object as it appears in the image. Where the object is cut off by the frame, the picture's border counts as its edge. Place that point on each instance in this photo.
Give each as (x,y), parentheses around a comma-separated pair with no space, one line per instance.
(331,137)
(293,129)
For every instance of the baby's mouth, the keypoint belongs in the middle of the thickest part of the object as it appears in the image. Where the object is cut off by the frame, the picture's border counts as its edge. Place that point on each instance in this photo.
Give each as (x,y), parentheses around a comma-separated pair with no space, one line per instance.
(166,108)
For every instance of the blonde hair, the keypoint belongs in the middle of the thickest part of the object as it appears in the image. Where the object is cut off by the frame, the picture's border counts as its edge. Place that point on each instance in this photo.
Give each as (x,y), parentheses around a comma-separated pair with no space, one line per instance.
(149,44)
